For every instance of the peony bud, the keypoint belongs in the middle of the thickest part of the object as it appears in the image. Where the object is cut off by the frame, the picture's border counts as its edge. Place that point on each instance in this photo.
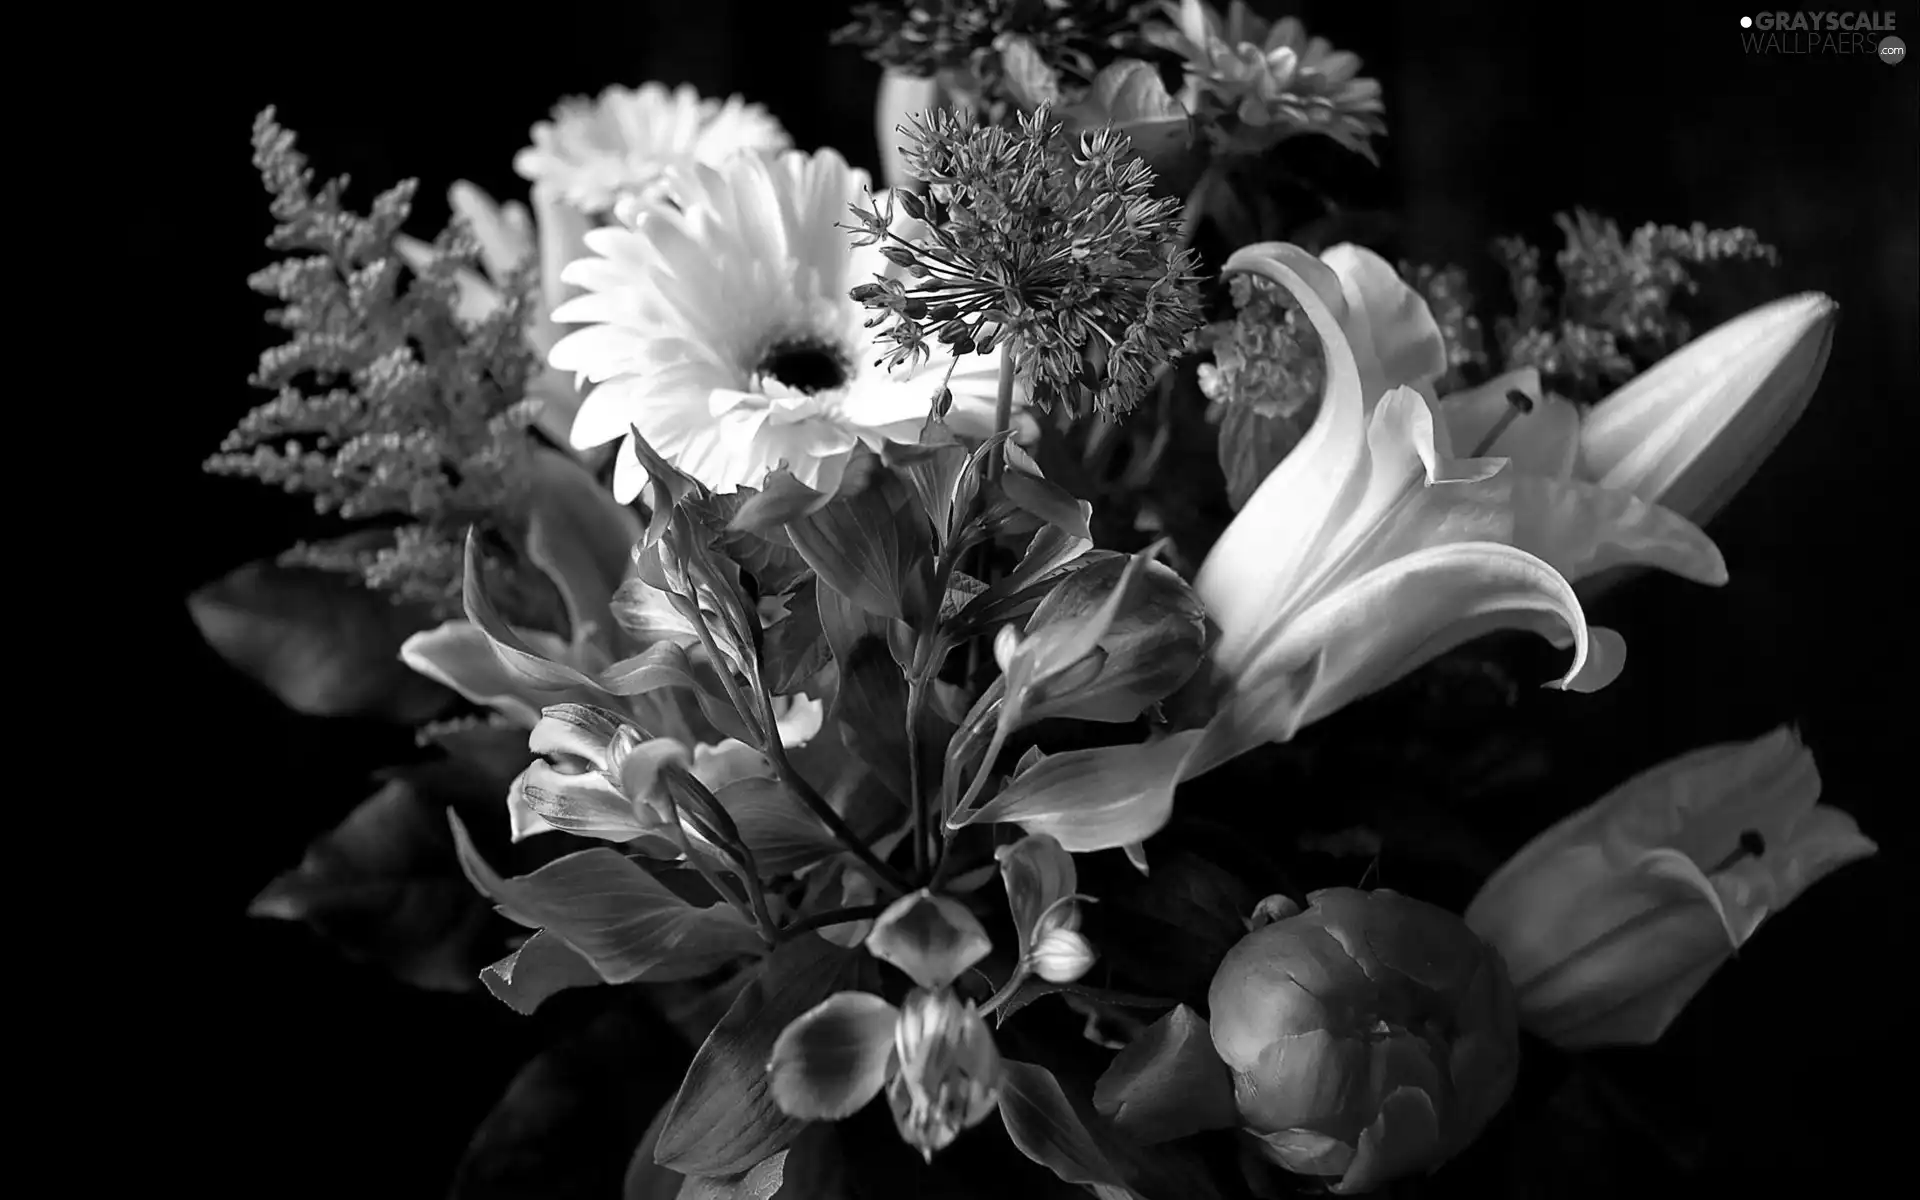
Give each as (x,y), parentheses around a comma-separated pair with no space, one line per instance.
(1693,428)
(1370,1037)
(949,1074)
(1611,921)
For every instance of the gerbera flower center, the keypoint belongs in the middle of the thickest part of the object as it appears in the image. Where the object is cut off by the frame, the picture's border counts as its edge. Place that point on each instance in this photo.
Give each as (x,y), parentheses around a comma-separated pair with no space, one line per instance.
(806,365)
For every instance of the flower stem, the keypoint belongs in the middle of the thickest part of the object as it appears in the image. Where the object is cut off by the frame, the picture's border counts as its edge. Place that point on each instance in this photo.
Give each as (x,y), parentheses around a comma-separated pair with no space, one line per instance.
(837,916)
(1003,404)
(798,785)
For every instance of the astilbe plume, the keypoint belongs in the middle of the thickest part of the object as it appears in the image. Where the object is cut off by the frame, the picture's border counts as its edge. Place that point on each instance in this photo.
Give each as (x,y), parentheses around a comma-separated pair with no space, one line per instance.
(1052,244)
(1614,313)
(960,39)
(388,408)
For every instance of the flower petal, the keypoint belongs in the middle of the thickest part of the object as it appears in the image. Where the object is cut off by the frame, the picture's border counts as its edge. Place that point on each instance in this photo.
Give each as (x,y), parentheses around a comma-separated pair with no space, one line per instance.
(1249,576)
(1395,339)
(934,939)
(1376,628)
(834,1059)
(459,655)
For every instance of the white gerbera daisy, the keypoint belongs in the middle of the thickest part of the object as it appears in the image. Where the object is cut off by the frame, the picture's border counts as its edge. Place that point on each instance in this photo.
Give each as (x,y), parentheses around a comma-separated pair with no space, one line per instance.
(597,151)
(721,329)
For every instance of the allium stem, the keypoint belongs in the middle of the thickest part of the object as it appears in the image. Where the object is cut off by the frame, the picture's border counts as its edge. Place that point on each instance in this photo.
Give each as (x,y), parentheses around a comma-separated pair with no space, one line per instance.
(1003,404)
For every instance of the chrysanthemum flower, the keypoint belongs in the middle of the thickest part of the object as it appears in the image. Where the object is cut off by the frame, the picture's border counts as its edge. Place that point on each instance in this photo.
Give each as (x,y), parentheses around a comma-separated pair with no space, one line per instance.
(720,327)
(597,151)
(1274,81)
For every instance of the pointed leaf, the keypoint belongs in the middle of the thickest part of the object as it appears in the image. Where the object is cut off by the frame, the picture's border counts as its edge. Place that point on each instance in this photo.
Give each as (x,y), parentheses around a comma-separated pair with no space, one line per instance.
(1042,1124)
(785,838)
(580,537)
(1026,75)
(870,551)
(625,922)
(1169,1083)
(724,1120)
(796,647)
(564,1128)
(539,671)
(543,965)
(780,500)
(871,709)
(384,887)
(1095,799)
(320,641)
(1047,500)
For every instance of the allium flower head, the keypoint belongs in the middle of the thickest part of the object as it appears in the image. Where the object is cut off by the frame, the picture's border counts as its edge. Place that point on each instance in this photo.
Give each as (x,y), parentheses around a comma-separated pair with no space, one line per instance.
(625,143)
(1258,83)
(720,326)
(1051,244)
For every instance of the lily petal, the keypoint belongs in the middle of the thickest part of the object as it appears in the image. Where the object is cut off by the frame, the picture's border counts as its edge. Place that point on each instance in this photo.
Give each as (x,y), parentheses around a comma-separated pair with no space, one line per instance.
(1394,336)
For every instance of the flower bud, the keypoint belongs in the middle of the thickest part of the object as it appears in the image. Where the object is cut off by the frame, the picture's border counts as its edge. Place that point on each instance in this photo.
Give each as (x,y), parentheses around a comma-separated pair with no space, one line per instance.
(1061,955)
(949,1074)
(1152,647)
(1369,1037)
(866,293)
(635,766)
(898,255)
(1695,426)
(1612,921)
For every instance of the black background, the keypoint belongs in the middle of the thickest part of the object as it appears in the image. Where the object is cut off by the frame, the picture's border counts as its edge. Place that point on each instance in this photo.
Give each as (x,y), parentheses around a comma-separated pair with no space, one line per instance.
(332,1080)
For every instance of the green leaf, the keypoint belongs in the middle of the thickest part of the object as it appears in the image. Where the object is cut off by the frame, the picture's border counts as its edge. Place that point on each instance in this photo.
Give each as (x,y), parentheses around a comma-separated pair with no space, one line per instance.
(871,709)
(1026,75)
(580,537)
(785,838)
(543,965)
(1169,1083)
(796,647)
(1128,96)
(540,672)
(565,1126)
(625,922)
(383,887)
(782,499)
(869,549)
(1034,493)
(320,641)
(933,471)
(724,1121)
(1100,799)
(1042,1124)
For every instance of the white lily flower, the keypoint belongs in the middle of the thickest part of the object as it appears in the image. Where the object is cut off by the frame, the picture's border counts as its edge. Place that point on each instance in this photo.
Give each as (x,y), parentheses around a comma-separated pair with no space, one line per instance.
(1397,343)
(1612,920)
(1693,428)
(1371,549)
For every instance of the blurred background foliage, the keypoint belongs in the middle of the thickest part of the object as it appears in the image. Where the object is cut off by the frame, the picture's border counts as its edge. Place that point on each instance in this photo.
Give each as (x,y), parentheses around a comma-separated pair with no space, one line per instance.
(336,1078)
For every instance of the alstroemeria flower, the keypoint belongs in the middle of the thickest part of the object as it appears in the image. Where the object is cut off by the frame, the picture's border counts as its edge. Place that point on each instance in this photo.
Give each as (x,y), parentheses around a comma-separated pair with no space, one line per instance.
(1371,548)
(596,779)
(509,240)
(934,1055)
(1611,921)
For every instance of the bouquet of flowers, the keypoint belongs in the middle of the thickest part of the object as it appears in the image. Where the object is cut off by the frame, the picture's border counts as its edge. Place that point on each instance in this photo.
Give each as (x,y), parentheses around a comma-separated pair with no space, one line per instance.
(969,637)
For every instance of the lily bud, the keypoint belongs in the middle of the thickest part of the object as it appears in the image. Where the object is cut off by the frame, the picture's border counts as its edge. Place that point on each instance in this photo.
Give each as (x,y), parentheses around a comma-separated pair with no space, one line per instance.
(1370,1037)
(949,1074)
(1153,645)
(1612,921)
(1692,430)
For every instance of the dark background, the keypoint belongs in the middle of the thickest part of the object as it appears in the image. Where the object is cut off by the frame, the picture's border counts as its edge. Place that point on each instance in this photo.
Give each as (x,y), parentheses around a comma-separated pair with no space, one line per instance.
(332,1080)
